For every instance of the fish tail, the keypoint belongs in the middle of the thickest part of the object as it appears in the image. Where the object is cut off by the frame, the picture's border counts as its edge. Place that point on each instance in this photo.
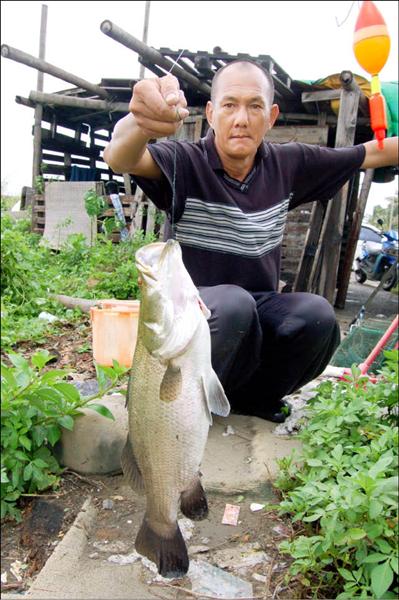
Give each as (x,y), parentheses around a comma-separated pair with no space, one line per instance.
(193,503)
(167,551)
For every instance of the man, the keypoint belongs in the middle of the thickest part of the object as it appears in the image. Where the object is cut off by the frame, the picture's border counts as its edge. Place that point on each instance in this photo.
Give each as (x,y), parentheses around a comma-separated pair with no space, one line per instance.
(227,198)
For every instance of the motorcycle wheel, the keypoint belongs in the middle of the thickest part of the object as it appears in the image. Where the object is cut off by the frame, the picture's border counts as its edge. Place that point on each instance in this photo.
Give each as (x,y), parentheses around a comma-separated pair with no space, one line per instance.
(390,282)
(360,276)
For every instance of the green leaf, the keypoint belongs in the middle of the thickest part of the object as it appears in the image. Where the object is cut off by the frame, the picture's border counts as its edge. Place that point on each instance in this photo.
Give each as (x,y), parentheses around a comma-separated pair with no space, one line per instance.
(66,421)
(21,456)
(101,410)
(19,361)
(356,534)
(375,557)
(41,358)
(395,564)
(40,463)
(4,478)
(47,394)
(53,434)
(381,579)
(51,377)
(346,574)
(380,465)
(25,442)
(375,509)
(28,471)
(69,392)
(314,462)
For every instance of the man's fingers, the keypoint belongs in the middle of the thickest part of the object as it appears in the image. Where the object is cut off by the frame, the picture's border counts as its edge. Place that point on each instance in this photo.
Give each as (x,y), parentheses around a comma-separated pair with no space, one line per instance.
(170,89)
(158,128)
(167,113)
(182,99)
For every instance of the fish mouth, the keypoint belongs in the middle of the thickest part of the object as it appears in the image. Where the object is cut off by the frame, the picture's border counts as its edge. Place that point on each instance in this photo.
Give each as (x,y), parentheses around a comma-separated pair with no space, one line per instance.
(151,258)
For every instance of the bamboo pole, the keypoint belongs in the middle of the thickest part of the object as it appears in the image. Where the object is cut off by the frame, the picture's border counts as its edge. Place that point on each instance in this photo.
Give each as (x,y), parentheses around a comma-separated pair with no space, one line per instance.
(45,67)
(37,127)
(61,100)
(152,55)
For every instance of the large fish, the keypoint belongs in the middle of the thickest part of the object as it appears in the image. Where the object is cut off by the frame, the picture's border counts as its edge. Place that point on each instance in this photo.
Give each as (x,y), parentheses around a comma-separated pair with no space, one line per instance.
(171,394)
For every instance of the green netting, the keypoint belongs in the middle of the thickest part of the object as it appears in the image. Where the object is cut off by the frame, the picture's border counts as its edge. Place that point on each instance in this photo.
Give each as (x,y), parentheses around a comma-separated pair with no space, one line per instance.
(358,344)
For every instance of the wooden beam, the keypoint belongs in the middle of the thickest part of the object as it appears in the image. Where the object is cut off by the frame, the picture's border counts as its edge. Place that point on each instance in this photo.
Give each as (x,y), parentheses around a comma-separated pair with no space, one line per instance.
(152,55)
(45,67)
(353,238)
(321,96)
(37,127)
(61,100)
(64,143)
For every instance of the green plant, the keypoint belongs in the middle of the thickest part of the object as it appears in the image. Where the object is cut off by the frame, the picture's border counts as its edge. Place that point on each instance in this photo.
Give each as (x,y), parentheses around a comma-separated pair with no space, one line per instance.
(36,404)
(95,206)
(343,489)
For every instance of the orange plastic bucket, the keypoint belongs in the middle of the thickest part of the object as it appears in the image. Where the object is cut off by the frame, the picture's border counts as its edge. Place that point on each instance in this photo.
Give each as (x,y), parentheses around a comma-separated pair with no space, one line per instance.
(114,330)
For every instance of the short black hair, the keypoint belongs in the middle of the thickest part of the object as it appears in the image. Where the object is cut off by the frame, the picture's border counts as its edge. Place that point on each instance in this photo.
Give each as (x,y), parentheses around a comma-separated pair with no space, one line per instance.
(244,61)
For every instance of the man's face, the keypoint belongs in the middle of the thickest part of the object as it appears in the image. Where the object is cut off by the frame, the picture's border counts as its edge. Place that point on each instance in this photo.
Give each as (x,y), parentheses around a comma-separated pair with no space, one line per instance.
(241,114)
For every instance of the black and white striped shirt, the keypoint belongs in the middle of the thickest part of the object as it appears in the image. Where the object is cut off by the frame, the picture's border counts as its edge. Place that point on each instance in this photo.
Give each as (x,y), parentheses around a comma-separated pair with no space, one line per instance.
(231,231)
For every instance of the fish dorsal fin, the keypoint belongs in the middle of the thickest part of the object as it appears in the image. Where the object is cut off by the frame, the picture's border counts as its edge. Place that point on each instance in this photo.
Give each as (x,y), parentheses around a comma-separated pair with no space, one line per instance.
(171,384)
(215,399)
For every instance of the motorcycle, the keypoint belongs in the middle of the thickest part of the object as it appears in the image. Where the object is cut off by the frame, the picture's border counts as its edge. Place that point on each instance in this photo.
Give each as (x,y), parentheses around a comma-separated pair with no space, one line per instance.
(375,260)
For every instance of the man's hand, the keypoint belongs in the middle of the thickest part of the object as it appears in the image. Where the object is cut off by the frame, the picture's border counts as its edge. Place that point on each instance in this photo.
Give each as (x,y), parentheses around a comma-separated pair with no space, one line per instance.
(159,106)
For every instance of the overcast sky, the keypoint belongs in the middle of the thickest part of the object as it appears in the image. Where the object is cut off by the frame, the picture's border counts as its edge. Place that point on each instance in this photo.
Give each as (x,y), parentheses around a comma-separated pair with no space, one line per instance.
(309,40)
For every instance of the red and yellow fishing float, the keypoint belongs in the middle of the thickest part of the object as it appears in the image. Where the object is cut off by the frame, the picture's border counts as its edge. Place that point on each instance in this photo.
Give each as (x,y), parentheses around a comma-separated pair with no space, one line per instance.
(371,46)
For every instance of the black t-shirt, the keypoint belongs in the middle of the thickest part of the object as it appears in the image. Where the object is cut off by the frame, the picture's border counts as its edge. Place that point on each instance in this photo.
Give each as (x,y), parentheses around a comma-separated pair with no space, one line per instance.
(231,231)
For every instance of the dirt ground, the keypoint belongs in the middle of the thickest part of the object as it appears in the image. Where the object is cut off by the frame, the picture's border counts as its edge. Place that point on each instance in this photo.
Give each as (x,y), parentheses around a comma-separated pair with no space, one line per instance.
(46,518)
(248,550)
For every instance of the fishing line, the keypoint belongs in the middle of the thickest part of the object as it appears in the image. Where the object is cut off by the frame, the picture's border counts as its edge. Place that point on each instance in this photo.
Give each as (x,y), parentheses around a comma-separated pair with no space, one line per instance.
(173,225)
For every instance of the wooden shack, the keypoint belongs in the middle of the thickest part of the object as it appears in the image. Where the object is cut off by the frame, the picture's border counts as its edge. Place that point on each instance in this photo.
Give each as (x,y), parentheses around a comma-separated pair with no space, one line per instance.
(76,123)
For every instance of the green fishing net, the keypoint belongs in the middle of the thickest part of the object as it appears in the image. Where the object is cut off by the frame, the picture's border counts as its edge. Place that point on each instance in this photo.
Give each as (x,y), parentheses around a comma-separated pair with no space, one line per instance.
(360,341)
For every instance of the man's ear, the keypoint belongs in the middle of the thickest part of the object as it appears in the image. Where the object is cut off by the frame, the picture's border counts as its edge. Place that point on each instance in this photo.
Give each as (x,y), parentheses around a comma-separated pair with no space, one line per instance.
(274,113)
(209,112)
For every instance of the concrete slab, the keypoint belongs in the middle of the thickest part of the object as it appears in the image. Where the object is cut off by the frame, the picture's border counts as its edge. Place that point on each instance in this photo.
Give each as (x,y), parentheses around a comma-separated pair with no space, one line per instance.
(242,460)
(246,458)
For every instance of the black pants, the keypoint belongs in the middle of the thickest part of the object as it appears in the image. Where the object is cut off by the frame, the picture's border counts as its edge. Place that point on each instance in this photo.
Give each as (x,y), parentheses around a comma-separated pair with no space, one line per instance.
(266,345)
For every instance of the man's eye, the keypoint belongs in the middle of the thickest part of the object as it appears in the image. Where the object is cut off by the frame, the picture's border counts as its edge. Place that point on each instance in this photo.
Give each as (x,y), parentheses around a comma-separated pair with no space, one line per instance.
(228,105)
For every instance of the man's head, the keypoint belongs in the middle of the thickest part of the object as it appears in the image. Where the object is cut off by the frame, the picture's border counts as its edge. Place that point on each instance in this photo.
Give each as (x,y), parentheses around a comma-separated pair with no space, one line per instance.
(241,110)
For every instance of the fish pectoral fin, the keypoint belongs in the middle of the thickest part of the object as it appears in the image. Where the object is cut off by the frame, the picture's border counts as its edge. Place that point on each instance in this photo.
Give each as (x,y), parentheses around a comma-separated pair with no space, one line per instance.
(171,384)
(193,503)
(167,551)
(131,469)
(216,399)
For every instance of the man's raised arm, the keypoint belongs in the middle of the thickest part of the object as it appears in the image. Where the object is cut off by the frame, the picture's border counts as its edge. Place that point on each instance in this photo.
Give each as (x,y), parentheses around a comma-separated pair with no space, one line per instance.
(388,156)
(157,109)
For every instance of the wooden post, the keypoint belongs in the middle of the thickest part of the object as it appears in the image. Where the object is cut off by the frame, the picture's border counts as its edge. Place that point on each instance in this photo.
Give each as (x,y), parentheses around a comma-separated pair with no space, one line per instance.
(145,33)
(336,209)
(303,278)
(128,184)
(37,128)
(353,237)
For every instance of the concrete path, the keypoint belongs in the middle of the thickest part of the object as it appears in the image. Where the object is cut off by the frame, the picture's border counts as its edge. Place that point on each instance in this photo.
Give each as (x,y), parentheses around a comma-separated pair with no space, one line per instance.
(241,455)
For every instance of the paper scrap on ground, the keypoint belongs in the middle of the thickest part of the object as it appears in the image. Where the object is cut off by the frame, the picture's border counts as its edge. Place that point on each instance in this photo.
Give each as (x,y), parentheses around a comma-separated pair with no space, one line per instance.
(231,513)
(255,506)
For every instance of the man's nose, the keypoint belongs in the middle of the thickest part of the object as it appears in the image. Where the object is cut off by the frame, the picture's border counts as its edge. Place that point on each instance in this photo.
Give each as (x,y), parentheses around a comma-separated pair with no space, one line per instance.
(241,116)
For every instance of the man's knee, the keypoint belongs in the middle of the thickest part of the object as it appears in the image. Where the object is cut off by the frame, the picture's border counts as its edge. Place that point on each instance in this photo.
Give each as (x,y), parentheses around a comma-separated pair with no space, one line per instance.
(312,316)
(231,306)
